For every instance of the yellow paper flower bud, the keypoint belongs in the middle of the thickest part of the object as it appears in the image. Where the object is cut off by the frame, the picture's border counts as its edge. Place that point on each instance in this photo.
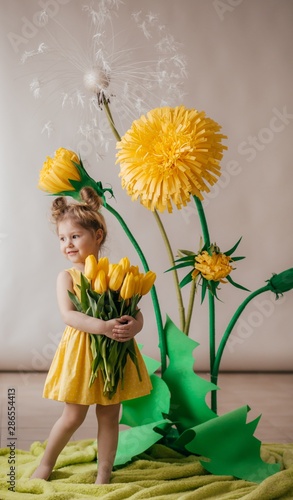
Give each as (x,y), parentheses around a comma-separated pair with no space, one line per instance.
(213,267)
(116,276)
(56,172)
(100,284)
(147,282)
(90,267)
(125,264)
(128,286)
(103,263)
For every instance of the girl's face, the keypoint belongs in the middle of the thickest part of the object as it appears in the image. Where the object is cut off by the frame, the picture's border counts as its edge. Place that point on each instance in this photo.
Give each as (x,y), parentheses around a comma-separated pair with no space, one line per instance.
(76,243)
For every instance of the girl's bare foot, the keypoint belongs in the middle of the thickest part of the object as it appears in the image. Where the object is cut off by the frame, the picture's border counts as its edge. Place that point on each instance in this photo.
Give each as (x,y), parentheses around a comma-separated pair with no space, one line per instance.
(104,474)
(42,472)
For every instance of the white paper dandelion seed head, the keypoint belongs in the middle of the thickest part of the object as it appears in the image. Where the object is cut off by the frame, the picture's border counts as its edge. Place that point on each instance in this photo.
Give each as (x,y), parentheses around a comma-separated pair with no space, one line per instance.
(86,57)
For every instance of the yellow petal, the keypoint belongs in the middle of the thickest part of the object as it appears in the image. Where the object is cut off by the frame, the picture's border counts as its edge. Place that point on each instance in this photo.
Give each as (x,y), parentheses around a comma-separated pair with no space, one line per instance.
(90,267)
(100,283)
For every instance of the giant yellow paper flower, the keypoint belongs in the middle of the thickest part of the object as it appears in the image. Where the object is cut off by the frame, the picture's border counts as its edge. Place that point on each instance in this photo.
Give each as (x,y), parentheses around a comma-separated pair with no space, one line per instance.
(169,155)
(56,172)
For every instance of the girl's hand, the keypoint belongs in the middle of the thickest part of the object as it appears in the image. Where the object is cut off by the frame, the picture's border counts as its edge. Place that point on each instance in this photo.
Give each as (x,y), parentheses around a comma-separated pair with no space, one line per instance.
(127,327)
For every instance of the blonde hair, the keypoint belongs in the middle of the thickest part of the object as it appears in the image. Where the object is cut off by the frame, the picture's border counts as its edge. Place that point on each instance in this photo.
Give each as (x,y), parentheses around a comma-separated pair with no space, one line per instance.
(85,213)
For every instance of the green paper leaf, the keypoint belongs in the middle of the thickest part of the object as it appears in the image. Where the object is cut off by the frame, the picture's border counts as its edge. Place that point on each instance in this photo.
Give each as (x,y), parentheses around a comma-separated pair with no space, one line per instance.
(152,406)
(149,408)
(188,390)
(136,440)
(228,444)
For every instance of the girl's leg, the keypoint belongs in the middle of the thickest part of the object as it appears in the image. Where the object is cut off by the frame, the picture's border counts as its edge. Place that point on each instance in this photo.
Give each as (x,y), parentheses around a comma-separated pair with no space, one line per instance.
(72,417)
(108,428)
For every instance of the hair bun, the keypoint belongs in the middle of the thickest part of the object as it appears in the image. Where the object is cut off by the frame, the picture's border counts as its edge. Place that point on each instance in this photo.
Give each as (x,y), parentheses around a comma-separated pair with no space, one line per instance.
(91,198)
(58,208)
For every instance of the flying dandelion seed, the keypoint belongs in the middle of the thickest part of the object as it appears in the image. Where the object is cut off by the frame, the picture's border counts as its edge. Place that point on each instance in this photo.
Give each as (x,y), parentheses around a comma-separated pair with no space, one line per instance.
(79,73)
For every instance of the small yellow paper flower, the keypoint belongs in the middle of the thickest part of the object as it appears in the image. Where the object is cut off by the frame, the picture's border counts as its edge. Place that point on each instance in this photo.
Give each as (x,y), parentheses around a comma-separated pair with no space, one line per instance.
(56,172)
(213,267)
(169,155)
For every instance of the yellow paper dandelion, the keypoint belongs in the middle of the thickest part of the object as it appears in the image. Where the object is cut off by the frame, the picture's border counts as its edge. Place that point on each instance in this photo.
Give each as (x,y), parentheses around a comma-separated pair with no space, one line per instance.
(169,155)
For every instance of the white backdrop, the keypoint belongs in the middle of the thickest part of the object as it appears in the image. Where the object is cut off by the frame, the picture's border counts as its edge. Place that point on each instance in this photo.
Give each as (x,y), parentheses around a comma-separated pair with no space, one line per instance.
(239,62)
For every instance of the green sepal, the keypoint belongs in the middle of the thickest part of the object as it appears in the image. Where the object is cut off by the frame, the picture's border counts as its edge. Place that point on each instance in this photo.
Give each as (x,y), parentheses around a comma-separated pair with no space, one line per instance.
(233,259)
(229,252)
(203,289)
(186,252)
(85,181)
(188,278)
(236,284)
(212,286)
(182,262)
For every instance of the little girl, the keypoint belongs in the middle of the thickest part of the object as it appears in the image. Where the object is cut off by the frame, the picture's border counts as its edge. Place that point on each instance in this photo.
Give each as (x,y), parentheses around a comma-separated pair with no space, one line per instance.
(82,230)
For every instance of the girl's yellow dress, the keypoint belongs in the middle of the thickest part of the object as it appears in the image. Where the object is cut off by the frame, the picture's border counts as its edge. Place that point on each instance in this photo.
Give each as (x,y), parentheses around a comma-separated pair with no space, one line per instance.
(70,371)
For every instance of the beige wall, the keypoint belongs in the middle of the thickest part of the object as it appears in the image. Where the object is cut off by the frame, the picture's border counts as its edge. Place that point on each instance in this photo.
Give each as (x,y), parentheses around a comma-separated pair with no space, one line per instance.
(239,57)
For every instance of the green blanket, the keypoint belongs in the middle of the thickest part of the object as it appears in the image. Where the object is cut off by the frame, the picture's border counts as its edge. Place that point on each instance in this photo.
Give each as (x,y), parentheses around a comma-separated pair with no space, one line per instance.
(161,473)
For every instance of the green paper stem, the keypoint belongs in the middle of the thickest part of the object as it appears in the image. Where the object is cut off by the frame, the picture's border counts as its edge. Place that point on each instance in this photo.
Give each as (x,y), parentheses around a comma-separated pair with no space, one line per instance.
(174,271)
(190,306)
(203,221)
(216,365)
(156,305)
(110,119)
(212,333)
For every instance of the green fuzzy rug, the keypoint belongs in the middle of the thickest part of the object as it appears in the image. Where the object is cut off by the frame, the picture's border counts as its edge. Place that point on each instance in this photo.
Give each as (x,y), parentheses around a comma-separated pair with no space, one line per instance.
(161,473)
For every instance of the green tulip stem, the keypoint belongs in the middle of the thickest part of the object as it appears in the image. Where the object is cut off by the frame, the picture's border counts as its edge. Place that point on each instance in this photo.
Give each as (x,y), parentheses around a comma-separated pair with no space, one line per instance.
(175,274)
(110,119)
(212,330)
(216,366)
(156,305)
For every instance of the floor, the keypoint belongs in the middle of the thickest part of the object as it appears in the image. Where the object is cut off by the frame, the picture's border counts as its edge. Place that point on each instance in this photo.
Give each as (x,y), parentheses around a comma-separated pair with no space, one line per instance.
(269,394)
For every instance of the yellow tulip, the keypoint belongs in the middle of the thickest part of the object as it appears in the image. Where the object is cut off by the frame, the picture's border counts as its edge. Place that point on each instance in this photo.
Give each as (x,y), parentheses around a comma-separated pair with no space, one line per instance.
(103,263)
(134,270)
(124,262)
(147,282)
(137,284)
(116,276)
(57,171)
(100,284)
(128,287)
(90,267)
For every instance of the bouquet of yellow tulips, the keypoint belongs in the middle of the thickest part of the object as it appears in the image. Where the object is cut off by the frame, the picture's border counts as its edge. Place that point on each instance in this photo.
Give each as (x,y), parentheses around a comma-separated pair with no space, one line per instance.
(109,291)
